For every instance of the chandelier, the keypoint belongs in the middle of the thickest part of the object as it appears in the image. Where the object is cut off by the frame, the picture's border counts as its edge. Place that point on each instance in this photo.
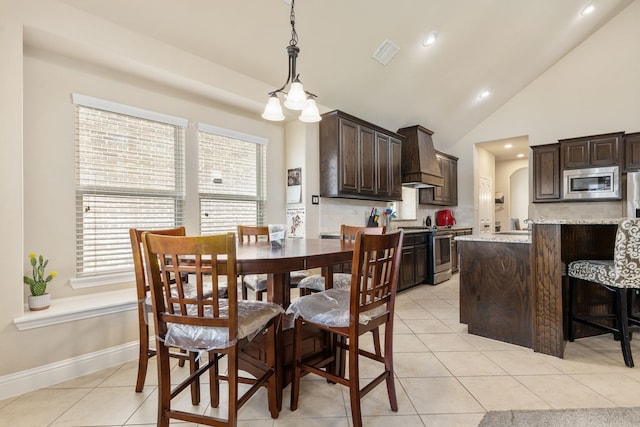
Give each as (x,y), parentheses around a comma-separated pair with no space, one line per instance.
(296,98)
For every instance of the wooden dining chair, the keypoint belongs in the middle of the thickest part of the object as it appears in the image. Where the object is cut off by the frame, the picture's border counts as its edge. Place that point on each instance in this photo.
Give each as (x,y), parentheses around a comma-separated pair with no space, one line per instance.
(258,282)
(208,325)
(145,350)
(317,283)
(349,313)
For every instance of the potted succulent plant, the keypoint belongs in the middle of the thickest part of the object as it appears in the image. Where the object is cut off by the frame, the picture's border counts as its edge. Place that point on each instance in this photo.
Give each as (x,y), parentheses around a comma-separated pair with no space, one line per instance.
(39,298)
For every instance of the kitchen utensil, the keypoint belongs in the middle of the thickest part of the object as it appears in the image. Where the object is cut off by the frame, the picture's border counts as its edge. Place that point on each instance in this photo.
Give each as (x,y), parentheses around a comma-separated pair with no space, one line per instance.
(428,221)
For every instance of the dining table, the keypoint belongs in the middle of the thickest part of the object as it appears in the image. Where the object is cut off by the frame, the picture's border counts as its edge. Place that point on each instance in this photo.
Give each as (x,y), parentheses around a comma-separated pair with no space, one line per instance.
(294,255)
(277,263)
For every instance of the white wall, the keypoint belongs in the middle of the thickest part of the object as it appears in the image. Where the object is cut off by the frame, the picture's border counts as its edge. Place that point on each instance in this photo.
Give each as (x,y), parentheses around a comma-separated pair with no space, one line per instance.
(504,171)
(66,51)
(592,90)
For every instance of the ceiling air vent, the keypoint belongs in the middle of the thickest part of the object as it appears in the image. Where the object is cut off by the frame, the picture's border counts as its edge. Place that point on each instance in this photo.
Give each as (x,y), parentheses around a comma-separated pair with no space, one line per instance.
(385,52)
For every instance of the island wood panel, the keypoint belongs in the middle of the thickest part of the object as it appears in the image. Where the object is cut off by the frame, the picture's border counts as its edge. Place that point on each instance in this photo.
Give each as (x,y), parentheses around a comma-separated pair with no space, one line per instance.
(547,282)
(554,247)
(495,290)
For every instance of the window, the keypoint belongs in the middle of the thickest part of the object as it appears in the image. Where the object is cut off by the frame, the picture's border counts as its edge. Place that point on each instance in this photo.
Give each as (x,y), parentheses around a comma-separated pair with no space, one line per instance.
(129,173)
(232,179)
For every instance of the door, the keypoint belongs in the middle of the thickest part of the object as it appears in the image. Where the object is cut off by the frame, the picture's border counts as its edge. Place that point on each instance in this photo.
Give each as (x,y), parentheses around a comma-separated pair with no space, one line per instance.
(485,204)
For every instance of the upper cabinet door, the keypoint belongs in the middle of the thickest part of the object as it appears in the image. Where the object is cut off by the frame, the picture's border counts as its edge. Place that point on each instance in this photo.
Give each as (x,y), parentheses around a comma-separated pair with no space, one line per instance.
(349,155)
(546,173)
(591,151)
(367,159)
(383,151)
(632,152)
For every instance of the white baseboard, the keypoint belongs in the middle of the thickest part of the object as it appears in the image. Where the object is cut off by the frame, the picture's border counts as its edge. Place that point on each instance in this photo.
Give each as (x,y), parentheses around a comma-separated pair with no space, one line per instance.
(47,375)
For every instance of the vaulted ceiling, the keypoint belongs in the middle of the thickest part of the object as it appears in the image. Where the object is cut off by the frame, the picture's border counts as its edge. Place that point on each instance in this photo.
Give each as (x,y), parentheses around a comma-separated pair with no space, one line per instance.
(498,46)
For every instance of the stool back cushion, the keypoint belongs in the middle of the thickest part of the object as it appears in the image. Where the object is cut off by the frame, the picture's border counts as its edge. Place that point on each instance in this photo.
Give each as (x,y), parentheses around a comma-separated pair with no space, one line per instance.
(627,251)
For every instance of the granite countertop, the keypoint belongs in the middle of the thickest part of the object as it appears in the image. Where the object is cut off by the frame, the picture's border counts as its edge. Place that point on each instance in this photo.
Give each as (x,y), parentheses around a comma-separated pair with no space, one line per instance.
(500,237)
(589,221)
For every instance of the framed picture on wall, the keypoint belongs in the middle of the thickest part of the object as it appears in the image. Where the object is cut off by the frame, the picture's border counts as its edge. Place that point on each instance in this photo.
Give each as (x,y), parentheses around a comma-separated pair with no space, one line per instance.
(294,185)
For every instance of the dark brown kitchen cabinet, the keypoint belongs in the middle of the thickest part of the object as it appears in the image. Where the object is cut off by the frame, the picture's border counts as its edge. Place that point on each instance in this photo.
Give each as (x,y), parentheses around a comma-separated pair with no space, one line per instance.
(358,159)
(413,268)
(455,264)
(591,151)
(389,152)
(632,152)
(546,173)
(447,195)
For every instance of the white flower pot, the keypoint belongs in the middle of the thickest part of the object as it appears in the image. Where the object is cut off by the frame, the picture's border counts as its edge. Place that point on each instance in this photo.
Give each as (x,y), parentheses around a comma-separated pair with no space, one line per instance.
(39,302)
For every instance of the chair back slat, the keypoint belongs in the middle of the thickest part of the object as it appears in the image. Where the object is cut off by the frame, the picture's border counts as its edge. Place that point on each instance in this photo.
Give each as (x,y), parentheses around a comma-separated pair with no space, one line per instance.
(376,263)
(135,235)
(348,232)
(253,233)
(209,258)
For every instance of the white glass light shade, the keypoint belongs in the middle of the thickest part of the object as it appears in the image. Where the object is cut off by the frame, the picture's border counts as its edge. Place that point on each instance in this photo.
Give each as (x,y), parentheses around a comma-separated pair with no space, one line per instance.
(296,98)
(310,114)
(273,110)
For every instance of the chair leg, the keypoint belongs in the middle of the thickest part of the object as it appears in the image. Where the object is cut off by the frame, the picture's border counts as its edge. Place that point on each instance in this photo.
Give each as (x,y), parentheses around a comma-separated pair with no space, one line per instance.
(388,366)
(622,321)
(164,384)
(143,356)
(376,341)
(214,380)
(297,359)
(354,382)
(195,385)
(245,295)
(272,382)
(232,375)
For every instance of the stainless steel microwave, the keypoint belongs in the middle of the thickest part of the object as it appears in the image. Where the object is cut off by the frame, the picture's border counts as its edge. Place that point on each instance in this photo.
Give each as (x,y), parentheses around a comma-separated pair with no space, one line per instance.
(592,183)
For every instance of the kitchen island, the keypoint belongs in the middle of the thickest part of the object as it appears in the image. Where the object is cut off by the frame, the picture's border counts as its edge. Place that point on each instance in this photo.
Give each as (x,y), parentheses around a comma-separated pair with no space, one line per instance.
(511,285)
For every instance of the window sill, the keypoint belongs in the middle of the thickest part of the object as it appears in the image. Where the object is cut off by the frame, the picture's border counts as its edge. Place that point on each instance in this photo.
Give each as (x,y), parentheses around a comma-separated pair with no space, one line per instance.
(70,309)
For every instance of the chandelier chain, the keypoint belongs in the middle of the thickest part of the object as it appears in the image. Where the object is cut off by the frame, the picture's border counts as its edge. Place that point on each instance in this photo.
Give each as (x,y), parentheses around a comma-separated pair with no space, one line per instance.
(292,18)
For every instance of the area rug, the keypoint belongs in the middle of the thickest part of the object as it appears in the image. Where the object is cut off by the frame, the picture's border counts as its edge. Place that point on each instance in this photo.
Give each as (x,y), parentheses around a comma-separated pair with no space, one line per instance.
(609,417)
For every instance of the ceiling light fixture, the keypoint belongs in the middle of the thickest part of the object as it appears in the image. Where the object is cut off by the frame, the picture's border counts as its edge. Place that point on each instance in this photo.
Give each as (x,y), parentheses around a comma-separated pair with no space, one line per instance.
(520,155)
(484,94)
(296,98)
(587,9)
(508,145)
(430,38)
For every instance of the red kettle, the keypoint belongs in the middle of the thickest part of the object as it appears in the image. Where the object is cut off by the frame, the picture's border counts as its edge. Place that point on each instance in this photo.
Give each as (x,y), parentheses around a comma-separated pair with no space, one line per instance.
(444,218)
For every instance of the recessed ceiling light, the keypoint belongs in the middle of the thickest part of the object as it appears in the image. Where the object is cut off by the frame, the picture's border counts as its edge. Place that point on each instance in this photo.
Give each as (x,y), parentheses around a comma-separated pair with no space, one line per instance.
(484,94)
(430,38)
(508,145)
(520,155)
(587,9)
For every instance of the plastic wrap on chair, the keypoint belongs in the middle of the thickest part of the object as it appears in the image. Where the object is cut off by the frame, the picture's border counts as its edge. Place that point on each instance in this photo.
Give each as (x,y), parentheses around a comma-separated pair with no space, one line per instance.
(256,282)
(315,282)
(189,292)
(330,308)
(252,317)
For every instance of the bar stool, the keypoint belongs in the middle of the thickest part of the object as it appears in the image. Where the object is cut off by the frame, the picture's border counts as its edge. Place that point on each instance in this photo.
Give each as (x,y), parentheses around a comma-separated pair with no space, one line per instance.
(621,276)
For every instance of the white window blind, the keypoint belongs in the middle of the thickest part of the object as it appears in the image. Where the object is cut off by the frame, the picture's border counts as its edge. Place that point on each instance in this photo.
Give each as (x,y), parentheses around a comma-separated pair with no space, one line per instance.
(129,174)
(232,179)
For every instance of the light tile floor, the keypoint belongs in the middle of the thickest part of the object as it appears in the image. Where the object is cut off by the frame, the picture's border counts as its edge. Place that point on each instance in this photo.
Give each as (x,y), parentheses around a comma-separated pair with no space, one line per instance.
(445,377)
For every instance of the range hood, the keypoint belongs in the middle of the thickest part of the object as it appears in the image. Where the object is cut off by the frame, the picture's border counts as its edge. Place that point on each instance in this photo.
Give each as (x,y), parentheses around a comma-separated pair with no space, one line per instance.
(420,168)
